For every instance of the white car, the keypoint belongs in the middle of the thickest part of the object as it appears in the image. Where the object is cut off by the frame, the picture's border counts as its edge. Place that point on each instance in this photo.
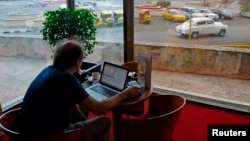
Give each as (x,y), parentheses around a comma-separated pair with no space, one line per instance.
(201,26)
(36,3)
(208,13)
(84,5)
(90,2)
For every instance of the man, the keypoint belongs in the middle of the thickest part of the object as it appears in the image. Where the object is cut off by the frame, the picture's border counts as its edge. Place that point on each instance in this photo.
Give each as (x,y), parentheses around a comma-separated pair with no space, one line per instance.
(52,99)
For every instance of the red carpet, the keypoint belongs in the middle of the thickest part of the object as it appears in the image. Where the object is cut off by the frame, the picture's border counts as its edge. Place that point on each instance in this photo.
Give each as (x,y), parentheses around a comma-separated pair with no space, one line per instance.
(194,120)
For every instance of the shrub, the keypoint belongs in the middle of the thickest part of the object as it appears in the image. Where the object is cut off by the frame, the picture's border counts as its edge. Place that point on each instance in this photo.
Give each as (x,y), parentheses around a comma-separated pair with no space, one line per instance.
(163,3)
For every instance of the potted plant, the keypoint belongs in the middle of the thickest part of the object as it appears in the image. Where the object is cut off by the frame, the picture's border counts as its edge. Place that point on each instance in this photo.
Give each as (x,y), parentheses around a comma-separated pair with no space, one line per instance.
(69,23)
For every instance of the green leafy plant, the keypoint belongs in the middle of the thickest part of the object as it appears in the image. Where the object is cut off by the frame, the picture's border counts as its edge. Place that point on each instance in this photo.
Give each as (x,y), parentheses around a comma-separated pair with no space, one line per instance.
(70,23)
(163,3)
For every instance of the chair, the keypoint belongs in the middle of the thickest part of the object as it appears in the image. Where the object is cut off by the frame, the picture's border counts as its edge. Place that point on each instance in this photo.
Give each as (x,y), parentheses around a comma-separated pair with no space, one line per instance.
(132,66)
(157,124)
(8,123)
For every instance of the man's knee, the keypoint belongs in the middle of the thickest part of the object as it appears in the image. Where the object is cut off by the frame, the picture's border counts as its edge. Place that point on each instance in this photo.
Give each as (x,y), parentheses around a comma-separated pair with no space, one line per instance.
(105,121)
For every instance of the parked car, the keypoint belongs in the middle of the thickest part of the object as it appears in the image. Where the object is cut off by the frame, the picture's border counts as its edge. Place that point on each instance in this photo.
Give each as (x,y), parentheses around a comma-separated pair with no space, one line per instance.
(201,26)
(85,6)
(93,3)
(208,13)
(185,13)
(193,11)
(174,15)
(64,5)
(223,14)
(245,14)
(36,3)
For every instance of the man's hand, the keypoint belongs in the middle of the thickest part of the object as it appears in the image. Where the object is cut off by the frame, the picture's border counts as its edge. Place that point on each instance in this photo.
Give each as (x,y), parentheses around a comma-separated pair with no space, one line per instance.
(131,92)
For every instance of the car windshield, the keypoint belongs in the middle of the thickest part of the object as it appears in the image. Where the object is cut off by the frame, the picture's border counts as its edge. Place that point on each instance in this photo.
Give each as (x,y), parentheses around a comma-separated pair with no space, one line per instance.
(195,11)
(174,12)
(208,11)
(223,11)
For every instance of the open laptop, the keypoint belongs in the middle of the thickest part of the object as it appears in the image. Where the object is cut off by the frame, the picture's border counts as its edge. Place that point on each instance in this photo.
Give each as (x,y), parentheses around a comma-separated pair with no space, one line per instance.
(113,79)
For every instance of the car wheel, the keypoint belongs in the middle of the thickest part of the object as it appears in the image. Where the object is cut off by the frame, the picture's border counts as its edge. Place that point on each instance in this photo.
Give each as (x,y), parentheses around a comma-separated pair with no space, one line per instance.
(195,34)
(222,17)
(222,32)
(173,20)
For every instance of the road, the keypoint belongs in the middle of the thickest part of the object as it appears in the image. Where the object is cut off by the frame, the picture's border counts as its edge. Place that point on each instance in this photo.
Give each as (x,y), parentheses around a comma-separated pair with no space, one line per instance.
(158,31)
(163,31)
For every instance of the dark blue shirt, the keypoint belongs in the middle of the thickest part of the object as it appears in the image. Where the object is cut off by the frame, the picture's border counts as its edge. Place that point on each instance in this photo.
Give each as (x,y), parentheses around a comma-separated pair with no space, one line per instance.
(46,107)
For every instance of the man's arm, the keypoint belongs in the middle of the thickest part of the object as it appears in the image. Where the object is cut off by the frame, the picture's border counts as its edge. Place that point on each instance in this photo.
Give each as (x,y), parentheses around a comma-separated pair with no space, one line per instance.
(101,107)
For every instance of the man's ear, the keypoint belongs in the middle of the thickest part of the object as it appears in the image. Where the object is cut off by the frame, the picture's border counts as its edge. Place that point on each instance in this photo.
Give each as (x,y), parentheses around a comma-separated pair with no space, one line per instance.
(79,63)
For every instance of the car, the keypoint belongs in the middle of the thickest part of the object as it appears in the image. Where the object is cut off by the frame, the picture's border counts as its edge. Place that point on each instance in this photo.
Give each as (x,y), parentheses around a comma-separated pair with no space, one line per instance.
(210,14)
(245,14)
(64,5)
(202,26)
(79,6)
(223,14)
(90,2)
(193,11)
(36,3)
(185,13)
(85,6)
(174,15)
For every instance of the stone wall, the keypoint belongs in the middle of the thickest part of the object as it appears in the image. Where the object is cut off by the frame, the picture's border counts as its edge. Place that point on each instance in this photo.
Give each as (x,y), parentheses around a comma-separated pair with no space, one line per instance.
(198,59)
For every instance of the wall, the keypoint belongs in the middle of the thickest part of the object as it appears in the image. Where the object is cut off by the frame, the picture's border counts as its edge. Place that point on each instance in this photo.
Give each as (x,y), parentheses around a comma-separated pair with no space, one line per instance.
(208,60)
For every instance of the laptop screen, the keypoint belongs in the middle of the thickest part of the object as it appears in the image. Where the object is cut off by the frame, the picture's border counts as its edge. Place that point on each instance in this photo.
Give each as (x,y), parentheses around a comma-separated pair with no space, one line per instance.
(114,76)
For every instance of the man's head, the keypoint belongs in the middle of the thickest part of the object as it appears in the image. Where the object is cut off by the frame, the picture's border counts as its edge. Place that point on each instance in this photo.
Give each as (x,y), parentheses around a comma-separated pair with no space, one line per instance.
(68,54)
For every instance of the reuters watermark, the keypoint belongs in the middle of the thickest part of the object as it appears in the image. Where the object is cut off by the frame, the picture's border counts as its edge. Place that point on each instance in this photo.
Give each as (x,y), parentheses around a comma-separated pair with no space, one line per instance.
(239,132)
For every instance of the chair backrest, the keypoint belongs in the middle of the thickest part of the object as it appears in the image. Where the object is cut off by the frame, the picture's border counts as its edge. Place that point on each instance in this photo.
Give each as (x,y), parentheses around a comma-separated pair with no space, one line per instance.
(158,124)
(8,124)
(132,66)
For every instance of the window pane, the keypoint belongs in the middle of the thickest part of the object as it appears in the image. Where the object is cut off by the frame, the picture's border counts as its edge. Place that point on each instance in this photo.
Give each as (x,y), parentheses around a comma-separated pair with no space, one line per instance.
(21,40)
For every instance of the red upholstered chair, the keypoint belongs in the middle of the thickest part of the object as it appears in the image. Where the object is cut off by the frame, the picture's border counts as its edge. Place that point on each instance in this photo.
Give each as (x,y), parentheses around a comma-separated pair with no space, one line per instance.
(132,66)
(157,124)
(8,123)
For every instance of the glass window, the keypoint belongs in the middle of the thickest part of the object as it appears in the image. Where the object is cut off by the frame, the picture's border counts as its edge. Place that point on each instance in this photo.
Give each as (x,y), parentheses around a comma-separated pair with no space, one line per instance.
(24,19)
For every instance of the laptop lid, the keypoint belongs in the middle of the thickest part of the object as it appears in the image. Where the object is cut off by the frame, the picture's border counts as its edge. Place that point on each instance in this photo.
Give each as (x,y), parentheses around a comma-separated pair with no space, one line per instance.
(114,76)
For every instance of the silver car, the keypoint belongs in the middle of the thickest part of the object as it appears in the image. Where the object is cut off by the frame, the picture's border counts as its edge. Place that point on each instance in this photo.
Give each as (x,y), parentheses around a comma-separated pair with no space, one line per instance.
(208,13)
(194,12)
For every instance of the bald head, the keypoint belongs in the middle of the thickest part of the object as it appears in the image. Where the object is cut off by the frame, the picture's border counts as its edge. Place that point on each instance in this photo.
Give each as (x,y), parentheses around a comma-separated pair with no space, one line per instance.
(67,53)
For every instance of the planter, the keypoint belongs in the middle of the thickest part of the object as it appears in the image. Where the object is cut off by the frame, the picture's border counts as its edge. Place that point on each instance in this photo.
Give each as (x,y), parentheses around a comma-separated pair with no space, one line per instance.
(86,69)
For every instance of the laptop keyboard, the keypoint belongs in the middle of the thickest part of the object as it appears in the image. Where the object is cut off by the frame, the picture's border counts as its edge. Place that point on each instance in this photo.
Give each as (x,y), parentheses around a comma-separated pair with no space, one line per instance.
(102,90)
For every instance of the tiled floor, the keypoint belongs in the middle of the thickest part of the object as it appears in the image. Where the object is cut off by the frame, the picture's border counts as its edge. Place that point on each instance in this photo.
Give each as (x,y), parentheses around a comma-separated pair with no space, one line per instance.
(17,73)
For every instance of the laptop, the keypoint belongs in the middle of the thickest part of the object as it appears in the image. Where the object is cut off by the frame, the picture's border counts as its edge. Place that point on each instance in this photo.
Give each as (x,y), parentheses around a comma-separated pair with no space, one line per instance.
(113,79)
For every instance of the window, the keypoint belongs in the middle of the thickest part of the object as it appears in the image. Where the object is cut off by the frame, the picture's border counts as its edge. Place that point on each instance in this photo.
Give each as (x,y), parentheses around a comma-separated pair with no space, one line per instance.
(24,19)
(210,22)
(201,23)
